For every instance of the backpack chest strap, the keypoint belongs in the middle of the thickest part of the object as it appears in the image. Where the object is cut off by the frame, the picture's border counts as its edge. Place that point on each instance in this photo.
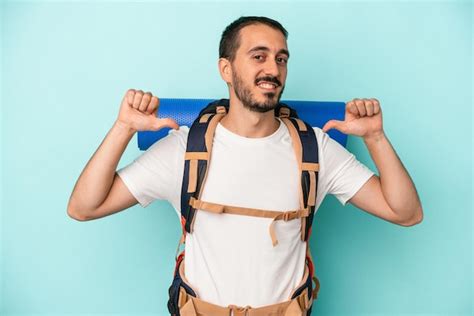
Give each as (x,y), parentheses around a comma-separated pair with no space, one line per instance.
(237,210)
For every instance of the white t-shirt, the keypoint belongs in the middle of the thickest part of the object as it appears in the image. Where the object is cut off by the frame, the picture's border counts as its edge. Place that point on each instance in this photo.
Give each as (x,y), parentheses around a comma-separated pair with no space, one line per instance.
(230,258)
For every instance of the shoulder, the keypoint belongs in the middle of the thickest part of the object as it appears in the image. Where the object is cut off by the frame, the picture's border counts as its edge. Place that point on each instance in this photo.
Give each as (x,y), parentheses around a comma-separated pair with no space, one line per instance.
(319,133)
(322,139)
(180,134)
(332,155)
(174,138)
(170,147)
(326,142)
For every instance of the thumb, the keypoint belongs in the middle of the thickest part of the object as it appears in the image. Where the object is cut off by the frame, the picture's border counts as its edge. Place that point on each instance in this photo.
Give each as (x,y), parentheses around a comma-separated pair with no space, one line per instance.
(339,125)
(165,122)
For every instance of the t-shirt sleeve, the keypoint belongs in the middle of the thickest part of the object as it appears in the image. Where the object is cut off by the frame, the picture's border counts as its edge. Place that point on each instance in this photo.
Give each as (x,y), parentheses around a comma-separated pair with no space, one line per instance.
(155,173)
(341,174)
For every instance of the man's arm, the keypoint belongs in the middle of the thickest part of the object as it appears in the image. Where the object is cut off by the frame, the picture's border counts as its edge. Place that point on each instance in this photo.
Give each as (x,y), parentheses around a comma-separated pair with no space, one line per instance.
(98,178)
(99,191)
(393,196)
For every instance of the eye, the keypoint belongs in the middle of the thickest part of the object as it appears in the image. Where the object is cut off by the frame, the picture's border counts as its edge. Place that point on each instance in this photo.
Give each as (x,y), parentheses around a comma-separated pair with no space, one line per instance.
(282,60)
(258,57)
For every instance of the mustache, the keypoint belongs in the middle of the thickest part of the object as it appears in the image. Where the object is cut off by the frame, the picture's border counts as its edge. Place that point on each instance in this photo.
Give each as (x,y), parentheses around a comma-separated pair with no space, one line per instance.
(269,79)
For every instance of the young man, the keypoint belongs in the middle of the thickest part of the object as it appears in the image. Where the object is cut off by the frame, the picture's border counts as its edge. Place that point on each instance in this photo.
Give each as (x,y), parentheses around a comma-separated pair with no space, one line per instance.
(230,259)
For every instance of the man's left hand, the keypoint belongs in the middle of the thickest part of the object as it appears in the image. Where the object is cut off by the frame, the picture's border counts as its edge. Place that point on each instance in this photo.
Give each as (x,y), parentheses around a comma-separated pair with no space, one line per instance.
(363,118)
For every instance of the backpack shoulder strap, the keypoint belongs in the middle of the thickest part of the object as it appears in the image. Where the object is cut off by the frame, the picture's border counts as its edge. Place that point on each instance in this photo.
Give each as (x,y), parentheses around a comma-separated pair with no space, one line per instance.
(305,145)
(198,153)
(197,157)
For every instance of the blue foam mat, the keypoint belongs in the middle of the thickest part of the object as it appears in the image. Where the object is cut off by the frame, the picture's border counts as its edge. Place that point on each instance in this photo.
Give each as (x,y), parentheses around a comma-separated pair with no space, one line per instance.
(185,111)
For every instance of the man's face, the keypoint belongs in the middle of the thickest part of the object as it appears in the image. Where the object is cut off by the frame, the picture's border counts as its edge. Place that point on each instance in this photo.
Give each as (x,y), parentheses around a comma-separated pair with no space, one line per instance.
(260,67)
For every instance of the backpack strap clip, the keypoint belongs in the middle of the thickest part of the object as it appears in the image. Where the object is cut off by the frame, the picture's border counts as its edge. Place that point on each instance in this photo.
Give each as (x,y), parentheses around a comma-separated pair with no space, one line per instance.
(312,169)
(284,112)
(220,109)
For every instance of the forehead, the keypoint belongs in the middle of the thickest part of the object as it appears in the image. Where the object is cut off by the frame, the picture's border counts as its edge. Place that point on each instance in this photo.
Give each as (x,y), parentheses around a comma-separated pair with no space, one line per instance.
(261,35)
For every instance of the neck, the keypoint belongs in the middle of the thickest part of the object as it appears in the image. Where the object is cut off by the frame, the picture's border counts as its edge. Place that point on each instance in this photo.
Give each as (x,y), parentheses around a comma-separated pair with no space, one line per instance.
(246,123)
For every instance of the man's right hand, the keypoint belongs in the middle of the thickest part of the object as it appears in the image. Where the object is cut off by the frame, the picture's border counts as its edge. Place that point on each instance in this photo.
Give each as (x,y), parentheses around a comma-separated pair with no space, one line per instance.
(138,112)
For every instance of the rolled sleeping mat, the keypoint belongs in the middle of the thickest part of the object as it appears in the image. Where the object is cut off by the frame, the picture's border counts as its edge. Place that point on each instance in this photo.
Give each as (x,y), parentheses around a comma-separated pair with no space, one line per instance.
(185,111)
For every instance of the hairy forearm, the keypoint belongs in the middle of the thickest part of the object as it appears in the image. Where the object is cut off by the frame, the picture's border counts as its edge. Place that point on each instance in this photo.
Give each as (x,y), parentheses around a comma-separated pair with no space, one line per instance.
(96,179)
(397,186)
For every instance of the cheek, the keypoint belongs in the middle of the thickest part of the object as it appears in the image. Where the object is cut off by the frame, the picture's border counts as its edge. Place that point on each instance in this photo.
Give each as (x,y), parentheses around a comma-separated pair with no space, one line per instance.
(283,77)
(250,80)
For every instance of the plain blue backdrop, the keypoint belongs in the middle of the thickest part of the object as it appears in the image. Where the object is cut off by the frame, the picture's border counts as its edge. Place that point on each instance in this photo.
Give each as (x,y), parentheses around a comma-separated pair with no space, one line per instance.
(66,66)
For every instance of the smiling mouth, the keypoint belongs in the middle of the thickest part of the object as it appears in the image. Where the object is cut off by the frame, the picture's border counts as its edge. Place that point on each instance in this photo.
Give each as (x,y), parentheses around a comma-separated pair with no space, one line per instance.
(267,86)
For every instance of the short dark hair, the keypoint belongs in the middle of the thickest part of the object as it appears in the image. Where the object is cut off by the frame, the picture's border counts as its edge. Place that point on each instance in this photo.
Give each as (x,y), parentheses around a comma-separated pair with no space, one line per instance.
(230,39)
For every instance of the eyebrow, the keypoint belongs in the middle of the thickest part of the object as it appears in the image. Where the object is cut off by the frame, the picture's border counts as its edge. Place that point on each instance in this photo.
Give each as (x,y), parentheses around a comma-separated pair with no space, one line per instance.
(266,49)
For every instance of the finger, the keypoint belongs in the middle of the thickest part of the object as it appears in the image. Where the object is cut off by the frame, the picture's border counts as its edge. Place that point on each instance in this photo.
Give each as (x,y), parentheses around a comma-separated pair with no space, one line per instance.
(153,105)
(129,96)
(339,125)
(376,105)
(137,99)
(145,101)
(369,107)
(360,107)
(351,107)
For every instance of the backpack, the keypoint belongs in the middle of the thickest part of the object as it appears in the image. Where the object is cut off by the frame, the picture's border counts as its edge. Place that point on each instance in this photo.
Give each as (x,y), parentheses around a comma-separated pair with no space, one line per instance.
(197,159)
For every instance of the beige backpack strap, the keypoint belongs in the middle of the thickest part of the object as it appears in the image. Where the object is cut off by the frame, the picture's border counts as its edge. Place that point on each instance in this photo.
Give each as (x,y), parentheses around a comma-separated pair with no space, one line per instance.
(193,306)
(299,158)
(311,168)
(237,210)
(193,157)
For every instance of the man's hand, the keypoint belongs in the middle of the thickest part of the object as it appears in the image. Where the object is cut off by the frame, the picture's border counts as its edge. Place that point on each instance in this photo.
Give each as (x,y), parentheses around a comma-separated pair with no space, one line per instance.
(393,196)
(363,118)
(138,112)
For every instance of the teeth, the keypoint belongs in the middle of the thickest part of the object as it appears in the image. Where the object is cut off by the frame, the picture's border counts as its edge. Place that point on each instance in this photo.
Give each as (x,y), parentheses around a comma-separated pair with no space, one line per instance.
(266,85)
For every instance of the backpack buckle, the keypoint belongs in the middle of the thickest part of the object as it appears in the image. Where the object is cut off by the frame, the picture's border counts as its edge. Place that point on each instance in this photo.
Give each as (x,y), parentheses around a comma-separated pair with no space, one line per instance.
(284,112)
(238,310)
(221,110)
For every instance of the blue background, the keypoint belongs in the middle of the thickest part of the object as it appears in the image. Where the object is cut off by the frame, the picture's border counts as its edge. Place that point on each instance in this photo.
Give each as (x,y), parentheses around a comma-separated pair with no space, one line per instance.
(66,66)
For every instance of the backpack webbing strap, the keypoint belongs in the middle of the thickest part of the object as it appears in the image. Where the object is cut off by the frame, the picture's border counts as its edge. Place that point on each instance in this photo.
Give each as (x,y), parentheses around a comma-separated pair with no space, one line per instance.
(197,159)
(198,153)
(237,210)
(306,151)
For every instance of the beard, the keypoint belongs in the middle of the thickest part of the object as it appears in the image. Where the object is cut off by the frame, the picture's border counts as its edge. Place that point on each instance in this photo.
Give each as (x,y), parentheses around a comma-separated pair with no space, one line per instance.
(244,94)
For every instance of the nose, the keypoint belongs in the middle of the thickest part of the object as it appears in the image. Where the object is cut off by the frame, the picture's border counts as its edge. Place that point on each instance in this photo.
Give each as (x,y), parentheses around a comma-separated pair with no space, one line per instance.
(271,68)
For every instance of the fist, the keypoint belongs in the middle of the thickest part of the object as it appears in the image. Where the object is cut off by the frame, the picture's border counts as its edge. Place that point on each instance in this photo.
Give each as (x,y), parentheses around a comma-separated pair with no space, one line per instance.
(138,111)
(363,117)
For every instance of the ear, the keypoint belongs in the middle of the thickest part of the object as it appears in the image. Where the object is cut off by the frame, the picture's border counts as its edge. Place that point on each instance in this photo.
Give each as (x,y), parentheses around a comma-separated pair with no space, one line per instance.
(225,69)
